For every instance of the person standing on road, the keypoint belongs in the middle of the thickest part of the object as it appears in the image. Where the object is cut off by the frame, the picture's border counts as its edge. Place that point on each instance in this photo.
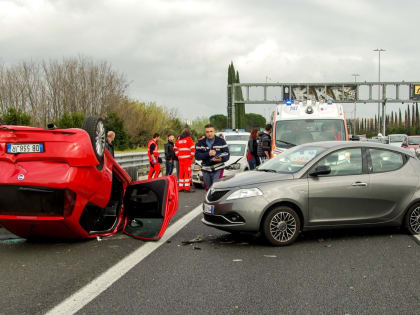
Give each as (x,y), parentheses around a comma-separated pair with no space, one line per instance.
(170,156)
(110,136)
(185,150)
(153,155)
(264,145)
(213,152)
(252,156)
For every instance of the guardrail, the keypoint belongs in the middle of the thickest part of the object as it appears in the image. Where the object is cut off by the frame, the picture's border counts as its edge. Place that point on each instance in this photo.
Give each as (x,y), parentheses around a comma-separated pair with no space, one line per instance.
(135,163)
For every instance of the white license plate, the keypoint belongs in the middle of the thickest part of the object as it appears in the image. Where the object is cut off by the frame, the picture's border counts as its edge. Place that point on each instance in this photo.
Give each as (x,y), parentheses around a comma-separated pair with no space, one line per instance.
(208,209)
(25,148)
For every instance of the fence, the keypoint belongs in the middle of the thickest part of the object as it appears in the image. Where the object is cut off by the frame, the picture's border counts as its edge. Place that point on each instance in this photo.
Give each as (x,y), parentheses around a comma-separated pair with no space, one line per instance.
(137,163)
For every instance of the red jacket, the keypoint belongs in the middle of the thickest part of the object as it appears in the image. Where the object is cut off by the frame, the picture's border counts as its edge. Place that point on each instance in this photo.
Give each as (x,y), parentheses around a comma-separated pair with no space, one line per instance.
(184,148)
(152,151)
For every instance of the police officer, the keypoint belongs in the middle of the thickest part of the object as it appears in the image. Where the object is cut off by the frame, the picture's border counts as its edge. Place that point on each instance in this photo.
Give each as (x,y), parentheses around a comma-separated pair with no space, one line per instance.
(213,152)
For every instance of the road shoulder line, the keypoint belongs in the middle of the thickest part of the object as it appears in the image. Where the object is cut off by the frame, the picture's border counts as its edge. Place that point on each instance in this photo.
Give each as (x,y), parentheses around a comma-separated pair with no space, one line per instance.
(417,238)
(83,296)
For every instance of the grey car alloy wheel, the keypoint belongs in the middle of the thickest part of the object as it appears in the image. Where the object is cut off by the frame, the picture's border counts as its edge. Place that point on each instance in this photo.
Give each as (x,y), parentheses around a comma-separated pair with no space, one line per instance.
(414,220)
(281,226)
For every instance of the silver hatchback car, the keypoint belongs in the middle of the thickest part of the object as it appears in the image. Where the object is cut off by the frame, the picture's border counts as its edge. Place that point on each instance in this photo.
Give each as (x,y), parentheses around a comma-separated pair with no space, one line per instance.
(320,186)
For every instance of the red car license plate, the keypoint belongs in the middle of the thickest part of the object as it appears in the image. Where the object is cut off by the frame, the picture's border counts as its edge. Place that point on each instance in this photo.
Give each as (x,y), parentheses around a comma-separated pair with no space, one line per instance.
(16,148)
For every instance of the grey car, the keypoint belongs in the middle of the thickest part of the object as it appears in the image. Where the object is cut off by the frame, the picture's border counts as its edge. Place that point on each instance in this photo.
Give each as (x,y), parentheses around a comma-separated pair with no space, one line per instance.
(320,186)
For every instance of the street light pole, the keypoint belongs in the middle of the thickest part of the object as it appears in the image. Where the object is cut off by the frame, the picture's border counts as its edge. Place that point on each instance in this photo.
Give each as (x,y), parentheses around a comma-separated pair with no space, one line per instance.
(379,50)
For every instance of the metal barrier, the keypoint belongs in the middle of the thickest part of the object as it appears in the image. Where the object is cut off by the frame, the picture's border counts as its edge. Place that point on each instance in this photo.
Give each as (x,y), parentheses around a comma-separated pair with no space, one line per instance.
(135,163)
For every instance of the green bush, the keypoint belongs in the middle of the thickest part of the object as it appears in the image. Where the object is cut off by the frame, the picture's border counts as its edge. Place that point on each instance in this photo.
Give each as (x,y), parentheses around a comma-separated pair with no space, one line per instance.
(16,117)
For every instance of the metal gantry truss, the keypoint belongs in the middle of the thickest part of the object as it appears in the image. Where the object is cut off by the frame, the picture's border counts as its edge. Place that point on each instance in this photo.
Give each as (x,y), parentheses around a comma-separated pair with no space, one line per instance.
(340,92)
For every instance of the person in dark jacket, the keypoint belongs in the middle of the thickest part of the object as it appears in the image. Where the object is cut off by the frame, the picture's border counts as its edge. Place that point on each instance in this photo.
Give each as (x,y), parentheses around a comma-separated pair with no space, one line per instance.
(110,136)
(213,152)
(170,156)
(252,156)
(264,145)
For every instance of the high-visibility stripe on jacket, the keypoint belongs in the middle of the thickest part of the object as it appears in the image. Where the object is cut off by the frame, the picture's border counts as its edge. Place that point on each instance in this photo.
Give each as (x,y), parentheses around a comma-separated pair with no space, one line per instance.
(202,154)
(153,158)
(184,148)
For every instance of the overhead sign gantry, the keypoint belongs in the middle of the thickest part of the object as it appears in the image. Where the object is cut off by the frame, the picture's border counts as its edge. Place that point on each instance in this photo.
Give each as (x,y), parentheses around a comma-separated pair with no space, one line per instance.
(339,92)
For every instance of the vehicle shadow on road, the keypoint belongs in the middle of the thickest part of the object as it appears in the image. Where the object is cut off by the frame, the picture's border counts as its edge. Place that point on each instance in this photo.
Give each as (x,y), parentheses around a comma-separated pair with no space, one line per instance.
(257,239)
(350,233)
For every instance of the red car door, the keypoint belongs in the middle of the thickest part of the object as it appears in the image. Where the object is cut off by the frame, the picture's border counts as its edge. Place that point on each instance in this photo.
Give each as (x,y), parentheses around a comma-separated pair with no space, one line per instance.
(149,206)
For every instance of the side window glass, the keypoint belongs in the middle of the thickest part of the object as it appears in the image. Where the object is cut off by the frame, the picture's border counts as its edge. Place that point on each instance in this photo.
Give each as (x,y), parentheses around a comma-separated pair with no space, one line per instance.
(344,162)
(385,161)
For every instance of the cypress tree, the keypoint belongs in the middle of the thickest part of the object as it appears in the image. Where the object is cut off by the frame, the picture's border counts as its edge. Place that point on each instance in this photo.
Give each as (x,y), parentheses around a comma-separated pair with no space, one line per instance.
(417,115)
(413,118)
(230,96)
(399,118)
(240,108)
(408,123)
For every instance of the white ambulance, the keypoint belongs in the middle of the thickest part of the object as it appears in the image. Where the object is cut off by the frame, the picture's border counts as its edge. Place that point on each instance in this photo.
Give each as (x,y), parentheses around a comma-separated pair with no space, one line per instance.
(304,122)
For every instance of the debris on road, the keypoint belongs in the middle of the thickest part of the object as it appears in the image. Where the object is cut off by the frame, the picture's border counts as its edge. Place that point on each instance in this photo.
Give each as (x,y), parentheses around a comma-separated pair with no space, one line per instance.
(198,239)
(270,256)
(197,248)
(237,260)
(227,242)
(98,238)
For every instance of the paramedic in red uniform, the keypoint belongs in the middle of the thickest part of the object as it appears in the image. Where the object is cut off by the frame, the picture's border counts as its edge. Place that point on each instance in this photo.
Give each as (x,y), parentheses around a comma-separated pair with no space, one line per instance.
(185,150)
(153,154)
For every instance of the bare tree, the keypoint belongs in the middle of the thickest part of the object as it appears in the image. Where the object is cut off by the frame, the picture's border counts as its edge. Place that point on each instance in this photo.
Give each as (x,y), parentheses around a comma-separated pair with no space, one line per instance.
(47,89)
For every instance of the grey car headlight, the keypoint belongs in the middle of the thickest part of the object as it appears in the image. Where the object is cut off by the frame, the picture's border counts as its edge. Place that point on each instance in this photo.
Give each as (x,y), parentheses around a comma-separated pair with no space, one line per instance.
(245,193)
(235,166)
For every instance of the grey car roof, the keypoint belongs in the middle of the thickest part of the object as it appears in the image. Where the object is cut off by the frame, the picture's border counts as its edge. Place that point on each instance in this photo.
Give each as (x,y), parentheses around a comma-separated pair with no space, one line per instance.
(346,144)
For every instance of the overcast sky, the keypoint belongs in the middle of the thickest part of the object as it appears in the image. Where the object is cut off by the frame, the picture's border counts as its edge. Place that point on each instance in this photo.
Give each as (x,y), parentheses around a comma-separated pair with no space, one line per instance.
(176,53)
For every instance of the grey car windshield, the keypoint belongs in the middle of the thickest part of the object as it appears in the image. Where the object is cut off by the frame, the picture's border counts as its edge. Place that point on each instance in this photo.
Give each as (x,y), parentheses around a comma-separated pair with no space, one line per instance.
(295,132)
(236,137)
(292,160)
(236,149)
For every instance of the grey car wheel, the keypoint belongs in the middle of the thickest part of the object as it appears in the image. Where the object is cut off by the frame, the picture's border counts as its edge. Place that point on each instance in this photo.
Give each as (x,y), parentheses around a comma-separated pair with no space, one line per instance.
(281,226)
(412,219)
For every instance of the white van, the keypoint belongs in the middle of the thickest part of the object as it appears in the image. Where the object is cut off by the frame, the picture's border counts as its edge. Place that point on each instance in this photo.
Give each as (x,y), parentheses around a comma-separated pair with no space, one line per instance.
(305,122)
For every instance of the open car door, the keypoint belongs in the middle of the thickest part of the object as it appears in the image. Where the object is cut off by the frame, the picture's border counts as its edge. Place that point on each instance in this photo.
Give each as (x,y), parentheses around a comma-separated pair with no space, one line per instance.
(149,205)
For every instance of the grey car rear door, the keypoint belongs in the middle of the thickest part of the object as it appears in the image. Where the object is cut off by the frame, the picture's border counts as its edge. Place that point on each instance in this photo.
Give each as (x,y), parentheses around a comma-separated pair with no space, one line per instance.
(341,197)
(392,182)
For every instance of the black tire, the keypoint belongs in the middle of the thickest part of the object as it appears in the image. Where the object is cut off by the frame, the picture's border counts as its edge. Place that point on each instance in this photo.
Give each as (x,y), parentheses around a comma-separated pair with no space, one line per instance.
(95,127)
(412,219)
(281,226)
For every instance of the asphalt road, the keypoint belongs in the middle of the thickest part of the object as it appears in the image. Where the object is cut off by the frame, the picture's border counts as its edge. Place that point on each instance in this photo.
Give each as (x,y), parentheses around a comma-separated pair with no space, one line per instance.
(328,272)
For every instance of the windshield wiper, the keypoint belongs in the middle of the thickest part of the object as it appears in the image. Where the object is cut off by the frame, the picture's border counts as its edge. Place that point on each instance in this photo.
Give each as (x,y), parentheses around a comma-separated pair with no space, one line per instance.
(285,142)
(269,170)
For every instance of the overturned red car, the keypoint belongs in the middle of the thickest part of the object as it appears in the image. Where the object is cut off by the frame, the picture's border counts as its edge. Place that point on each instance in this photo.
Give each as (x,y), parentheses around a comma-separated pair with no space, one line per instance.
(62,183)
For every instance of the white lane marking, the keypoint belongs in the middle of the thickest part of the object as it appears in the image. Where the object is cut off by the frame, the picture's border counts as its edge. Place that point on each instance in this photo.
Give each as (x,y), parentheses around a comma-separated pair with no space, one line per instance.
(86,294)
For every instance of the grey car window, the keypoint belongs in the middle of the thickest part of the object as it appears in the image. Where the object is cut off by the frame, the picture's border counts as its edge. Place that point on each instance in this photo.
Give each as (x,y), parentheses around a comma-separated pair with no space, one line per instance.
(292,160)
(344,162)
(385,161)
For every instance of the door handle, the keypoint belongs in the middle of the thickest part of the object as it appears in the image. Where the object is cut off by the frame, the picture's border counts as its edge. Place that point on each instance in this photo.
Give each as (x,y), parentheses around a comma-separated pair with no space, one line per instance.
(359,184)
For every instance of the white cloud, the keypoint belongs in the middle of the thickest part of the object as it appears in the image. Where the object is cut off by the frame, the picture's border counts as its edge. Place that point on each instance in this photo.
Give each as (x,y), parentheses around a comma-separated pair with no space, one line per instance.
(177,52)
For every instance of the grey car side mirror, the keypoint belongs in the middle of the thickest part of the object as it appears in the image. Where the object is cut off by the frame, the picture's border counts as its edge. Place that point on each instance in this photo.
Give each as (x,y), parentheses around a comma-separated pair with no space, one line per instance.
(320,170)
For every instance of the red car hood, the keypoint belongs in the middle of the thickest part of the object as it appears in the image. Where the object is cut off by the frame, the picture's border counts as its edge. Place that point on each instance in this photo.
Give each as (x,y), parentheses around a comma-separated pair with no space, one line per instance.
(71,146)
